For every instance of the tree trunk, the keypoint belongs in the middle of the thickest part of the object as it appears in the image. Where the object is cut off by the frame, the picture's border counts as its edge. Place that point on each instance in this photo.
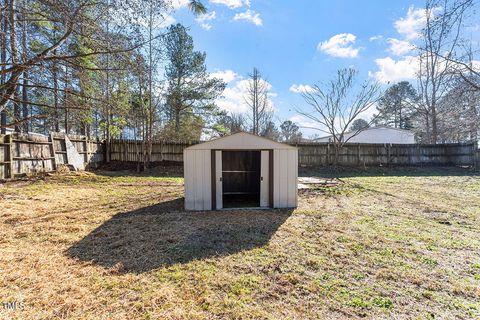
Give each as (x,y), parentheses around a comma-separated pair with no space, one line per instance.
(14,58)
(3,59)
(177,120)
(56,126)
(434,125)
(25,73)
(16,110)
(26,126)
(107,131)
(65,103)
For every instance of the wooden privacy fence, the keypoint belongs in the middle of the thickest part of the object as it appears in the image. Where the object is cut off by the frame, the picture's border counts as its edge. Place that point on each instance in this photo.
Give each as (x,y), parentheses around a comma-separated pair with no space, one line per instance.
(131,150)
(361,154)
(24,154)
(477,160)
(322,154)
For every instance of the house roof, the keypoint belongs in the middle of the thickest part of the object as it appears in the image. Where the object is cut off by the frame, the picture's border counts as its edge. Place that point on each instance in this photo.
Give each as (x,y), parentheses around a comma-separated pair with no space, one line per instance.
(372,128)
(240,141)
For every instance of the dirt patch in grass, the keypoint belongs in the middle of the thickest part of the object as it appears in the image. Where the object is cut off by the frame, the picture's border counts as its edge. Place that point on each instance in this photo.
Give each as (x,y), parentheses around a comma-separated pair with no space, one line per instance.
(116,246)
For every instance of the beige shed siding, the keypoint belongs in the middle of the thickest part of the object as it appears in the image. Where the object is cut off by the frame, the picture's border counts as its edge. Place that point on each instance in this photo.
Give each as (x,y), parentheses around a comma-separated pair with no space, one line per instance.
(292,184)
(197,167)
(189,179)
(207,180)
(285,174)
(276,180)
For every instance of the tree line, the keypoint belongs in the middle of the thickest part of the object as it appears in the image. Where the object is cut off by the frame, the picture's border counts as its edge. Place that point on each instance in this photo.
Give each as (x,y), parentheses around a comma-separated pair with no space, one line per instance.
(111,68)
(442,105)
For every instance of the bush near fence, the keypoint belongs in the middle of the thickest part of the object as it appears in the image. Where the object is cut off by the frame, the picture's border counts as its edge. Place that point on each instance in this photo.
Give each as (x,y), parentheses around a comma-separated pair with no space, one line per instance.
(22,154)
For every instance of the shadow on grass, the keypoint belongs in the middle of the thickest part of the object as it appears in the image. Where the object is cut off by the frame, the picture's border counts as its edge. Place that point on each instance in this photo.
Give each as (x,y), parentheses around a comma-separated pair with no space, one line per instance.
(345,172)
(163,235)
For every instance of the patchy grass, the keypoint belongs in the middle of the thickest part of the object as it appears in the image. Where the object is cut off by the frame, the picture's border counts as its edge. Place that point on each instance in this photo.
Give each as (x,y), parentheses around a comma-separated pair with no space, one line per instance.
(103,246)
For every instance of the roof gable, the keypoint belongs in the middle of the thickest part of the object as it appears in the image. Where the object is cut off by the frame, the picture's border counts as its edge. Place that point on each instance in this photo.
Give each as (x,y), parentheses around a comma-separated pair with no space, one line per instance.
(240,141)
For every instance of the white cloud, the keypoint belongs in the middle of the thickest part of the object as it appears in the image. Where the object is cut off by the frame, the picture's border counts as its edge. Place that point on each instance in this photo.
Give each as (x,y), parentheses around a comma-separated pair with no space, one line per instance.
(250,16)
(304,122)
(226,75)
(232,4)
(233,97)
(375,38)
(412,24)
(395,70)
(204,20)
(340,45)
(178,4)
(399,47)
(168,20)
(476,65)
(302,88)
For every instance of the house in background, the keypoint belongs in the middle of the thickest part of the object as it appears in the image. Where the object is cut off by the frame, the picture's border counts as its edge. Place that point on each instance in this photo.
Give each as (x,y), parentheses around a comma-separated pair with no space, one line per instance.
(376,135)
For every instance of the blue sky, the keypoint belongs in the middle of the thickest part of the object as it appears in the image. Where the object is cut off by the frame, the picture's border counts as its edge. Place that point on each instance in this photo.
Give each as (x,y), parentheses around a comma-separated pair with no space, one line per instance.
(299,43)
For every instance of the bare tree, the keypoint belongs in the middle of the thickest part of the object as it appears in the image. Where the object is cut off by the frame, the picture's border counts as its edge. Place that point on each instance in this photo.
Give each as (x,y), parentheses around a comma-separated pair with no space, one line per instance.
(336,105)
(87,25)
(440,38)
(258,101)
(3,60)
(230,124)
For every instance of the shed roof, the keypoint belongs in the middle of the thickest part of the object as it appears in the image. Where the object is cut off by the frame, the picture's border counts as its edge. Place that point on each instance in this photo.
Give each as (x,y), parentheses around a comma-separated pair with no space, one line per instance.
(240,141)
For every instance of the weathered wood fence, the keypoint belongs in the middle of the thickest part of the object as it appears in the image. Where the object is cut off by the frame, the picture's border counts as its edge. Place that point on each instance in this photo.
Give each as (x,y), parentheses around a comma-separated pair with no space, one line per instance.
(322,154)
(131,150)
(22,154)
(361,154)
(477,160)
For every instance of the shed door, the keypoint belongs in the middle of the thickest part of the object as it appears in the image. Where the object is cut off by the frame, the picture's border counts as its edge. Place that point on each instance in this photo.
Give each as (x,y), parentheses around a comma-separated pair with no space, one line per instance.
(265,179)
(218,180)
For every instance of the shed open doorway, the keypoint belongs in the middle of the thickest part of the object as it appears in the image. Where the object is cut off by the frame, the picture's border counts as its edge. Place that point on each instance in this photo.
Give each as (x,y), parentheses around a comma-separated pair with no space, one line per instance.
(241,179)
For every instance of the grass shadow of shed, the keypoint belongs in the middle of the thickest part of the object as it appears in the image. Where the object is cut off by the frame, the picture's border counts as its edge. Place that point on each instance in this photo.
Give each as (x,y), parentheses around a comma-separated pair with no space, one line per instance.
(163,234)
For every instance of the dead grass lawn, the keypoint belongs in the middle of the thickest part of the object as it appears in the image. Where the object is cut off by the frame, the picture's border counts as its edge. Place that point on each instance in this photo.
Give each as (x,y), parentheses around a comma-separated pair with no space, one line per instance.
(99,246)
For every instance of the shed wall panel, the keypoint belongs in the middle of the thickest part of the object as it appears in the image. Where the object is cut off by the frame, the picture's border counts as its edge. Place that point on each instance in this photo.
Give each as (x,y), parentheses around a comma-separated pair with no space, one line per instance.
(283,178)
(264,184)
(198,173)
(276,179)
(199,167)
(291,179)
(218,182)
(207,181)
(189,179)
(296,178)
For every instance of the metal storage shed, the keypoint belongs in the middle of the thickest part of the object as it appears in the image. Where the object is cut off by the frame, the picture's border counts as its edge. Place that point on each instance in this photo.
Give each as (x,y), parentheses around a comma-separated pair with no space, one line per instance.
(238,171)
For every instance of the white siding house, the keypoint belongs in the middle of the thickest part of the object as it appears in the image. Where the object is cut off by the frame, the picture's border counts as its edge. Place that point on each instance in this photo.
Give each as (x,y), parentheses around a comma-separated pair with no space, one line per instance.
(241,170)
(377,135)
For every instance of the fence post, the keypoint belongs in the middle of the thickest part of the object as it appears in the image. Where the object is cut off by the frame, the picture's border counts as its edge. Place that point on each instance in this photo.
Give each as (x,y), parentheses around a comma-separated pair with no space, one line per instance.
(10,153)
(388,153)
(358,155)
(476,156)
(328,154)
(53,154)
